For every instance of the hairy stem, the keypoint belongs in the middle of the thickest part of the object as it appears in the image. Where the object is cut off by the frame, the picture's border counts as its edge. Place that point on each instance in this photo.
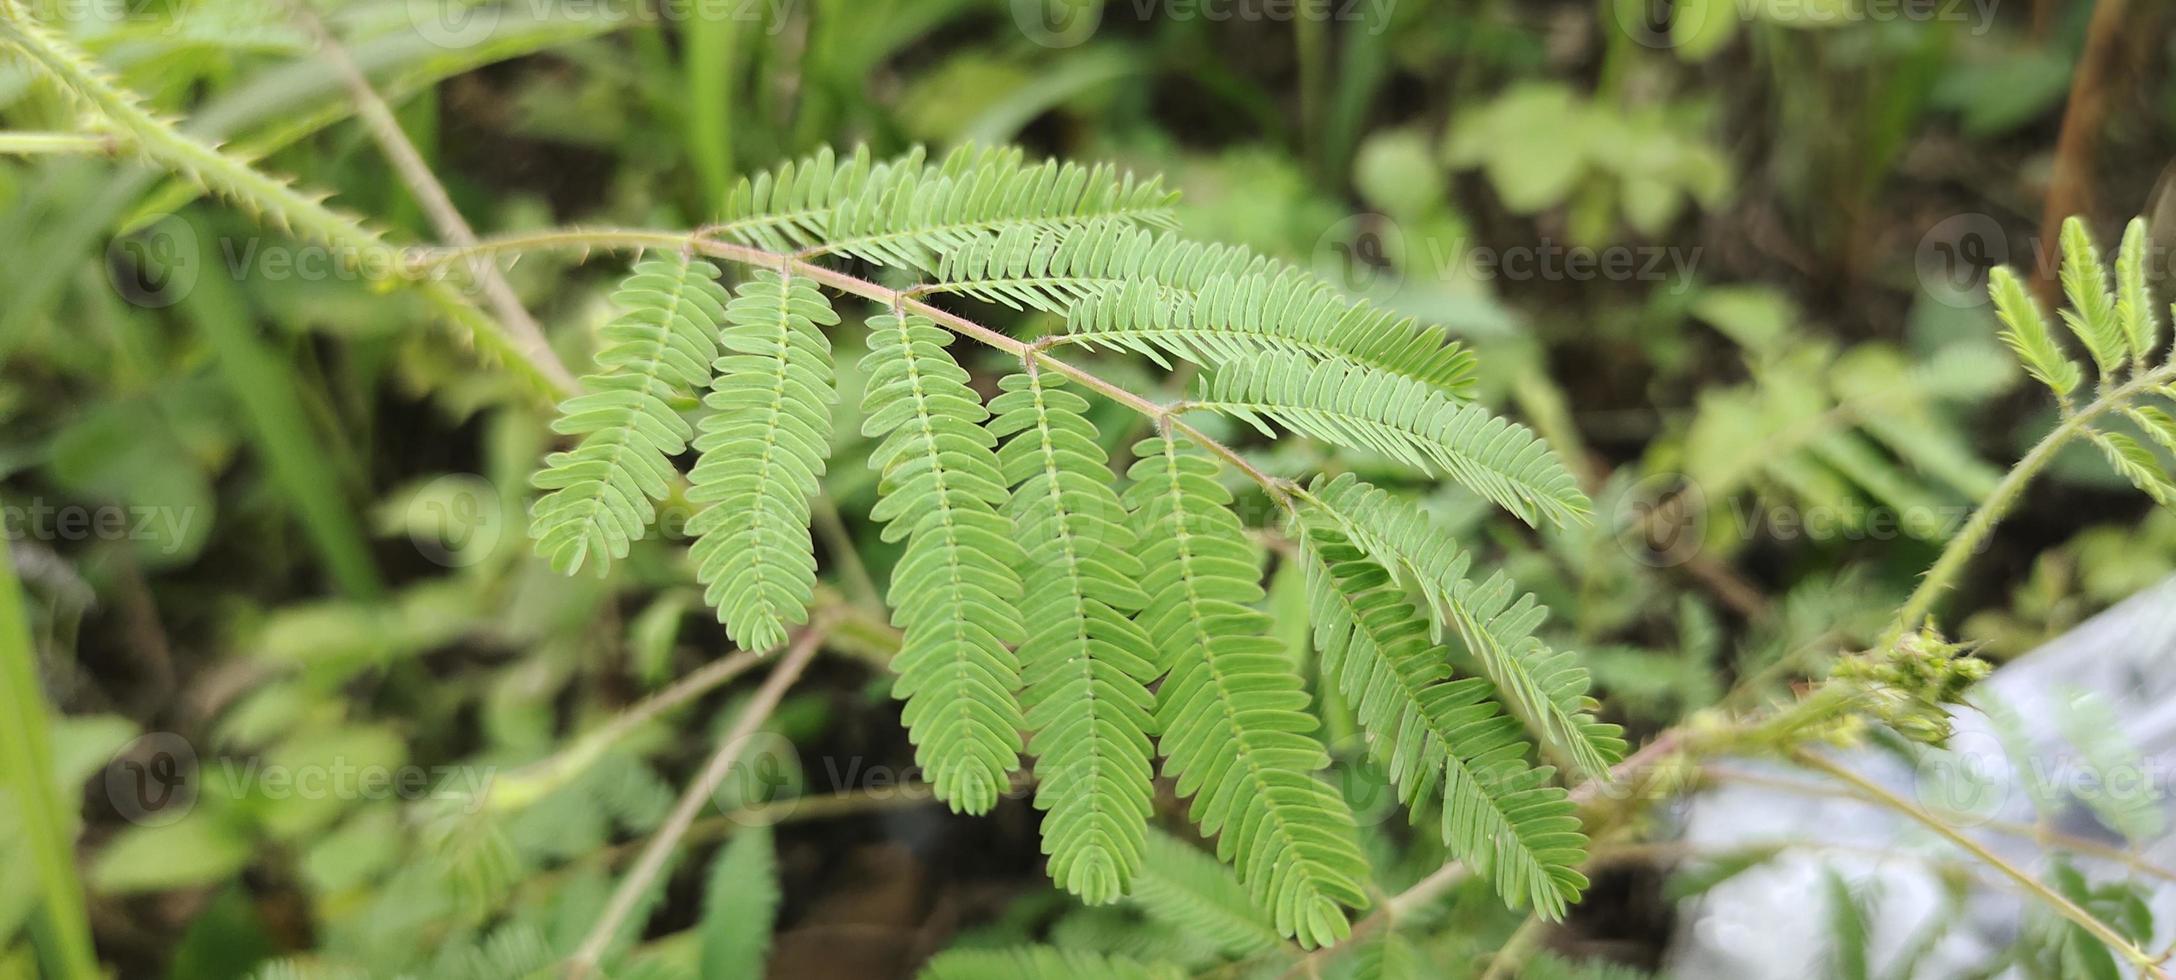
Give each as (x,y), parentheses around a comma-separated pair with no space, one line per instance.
(1968,542)
(1877,793)
(272,201)
(586,958)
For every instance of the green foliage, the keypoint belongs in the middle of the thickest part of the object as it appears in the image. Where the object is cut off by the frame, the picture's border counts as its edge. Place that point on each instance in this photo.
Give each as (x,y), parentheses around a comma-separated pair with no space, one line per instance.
(1838,433)
(1127,288)
(2120,331)
(1085,663)
(1501,816)
(740,904)
(2026,332)
(1064,590)
(1235,730)
(1403,420)
(1180,885)
(762,453)
(955,591)
(911,213)
(1546,688)
(657,352)
(1037,963)
(2092,312)
(1541,144)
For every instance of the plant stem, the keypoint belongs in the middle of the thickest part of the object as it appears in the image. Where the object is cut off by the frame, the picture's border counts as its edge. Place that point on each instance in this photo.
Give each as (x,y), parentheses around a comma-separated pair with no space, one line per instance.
(1877,793)
(26,760)
(698,794)
(2042,836)
(525,785)
(1517,949)
(2005,496)
(825,518)
(584,240)
(415,173)
(58,144)
(272,201)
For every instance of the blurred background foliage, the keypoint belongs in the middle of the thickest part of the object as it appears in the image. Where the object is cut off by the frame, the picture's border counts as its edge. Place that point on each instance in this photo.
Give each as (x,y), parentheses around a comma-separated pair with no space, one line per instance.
(1727,261)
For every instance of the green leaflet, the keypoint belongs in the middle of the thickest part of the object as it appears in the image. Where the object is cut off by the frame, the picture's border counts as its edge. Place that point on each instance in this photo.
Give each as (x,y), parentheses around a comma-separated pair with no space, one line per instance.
(762,450)
(2026,333)
(1547,689)
(2092,312)
(1039,963)
(1181,885)
(2136,463)
(954,591)
(1128,288)
(1085,664)
(1236,733)
(911,214)
(740,905)
(1388,957)
(1036,599)
(2134,300)
(1501,816)
(1401,419)
(657,351)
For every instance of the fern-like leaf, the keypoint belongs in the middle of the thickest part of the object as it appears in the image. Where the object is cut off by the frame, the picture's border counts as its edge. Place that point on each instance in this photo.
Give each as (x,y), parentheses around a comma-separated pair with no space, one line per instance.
(910,213)
(1546,688)
(1236,733)
(2157,424)
(1085,664)
(953,591)
(762,450)
(2092,312)
(1388,957)
(1500,816)
(1404,420)
(657,352)
(2134,299)
(2137,464)
(1129,288)
(1186,888)
(740,904)
(2026,333)
(1039,963)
